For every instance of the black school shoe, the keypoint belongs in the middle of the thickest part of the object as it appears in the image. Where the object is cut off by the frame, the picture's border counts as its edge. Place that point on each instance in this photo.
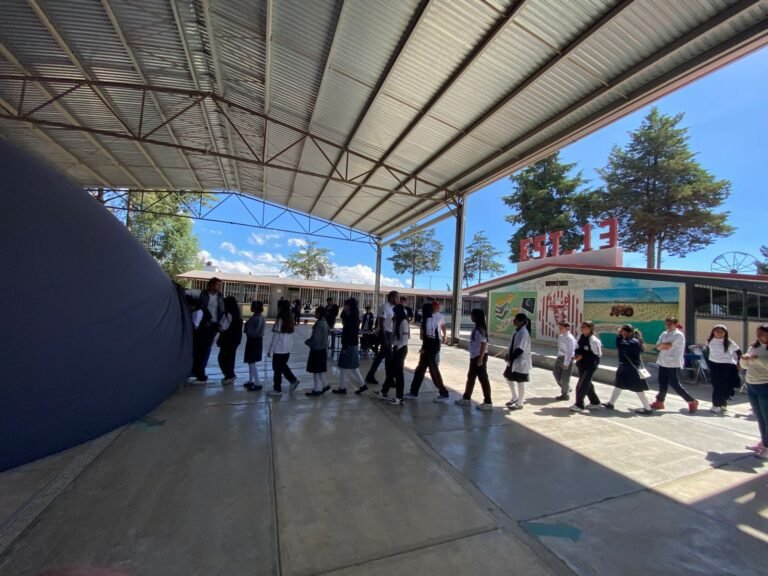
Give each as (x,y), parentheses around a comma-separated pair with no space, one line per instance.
(251,387)
(314,393)
(361,390)
(339,390)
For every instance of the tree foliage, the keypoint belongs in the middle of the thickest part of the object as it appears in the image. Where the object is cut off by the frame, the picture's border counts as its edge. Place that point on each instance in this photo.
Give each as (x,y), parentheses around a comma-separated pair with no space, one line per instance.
(762,267)
(664,199)
(157,222)
(481,256)
(417,254)
(546,197)
(308,262)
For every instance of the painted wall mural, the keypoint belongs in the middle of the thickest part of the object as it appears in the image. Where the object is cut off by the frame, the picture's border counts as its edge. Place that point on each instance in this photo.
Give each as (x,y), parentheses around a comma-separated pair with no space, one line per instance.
(607,301)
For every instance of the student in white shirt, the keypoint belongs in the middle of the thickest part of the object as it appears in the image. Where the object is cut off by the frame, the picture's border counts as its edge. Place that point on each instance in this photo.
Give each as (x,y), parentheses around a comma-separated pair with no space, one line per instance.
(396,375)
(430,348)
(384,331)
(519,360)
(671,347)
(755,362)
(478,363)
(723,357)
(563,370)
(280,348)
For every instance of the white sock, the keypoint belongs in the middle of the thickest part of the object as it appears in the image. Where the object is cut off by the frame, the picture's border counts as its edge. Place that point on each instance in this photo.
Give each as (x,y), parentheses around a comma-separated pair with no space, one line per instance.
(513,389)
(360,378)
(615,396)
(644,400)
(318,385)
(253,373)
(521,393)
(343,376)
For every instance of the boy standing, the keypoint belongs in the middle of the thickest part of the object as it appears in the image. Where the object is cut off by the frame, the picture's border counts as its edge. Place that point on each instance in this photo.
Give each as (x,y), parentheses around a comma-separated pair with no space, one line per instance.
(671,347)
(566,348)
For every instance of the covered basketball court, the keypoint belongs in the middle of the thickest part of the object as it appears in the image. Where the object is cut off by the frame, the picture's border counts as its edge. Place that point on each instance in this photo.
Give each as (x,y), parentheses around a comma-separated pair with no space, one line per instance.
(352,119)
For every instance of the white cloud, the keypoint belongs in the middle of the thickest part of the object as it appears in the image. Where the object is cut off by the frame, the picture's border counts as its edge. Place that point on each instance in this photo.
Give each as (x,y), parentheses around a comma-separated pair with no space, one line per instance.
(215,232)
(260,239)
(240,266)
(297,242)
(229,247)
(361,274)
(264,257)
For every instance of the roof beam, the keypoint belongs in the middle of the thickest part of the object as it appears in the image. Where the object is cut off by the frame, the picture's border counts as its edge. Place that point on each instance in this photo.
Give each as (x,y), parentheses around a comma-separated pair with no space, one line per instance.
(501,23)
(267,92)
(8,55)
(45,136)
(53,31)
(517,90)
(407,34)
(193,74)
(599,116)
(218,81)
(323,84)
(132,57)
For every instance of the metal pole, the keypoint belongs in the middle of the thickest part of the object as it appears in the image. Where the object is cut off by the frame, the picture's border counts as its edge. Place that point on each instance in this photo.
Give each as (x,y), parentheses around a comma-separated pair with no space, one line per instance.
(458,269)
(377,280)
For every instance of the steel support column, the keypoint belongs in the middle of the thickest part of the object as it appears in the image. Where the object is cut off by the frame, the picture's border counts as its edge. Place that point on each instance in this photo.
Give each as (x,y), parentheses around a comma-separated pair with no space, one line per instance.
(458,269)
(377,279)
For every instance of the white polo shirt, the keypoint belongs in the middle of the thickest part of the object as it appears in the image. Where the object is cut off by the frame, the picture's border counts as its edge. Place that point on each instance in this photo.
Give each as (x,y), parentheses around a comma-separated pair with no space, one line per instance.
(675,356)
(386,313)
(719,355)
(476,343)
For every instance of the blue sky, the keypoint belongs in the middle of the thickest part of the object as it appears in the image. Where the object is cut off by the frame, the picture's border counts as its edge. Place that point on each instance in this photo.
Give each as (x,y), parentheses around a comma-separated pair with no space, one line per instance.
(728,127)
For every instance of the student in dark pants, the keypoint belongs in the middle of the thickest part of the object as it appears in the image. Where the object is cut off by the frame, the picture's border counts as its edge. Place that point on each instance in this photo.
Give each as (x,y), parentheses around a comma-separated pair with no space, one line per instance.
(231,327)
(280,349)
(384,332)
(396,374)
(430,348)
(589,350)
(671,347)
(212,305)
(478,362)
(722,358)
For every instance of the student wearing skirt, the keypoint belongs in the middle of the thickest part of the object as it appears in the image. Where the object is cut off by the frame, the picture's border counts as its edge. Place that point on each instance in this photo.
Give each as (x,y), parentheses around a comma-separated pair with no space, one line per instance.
(722,360)
(349,355)
(317,362)
(254,344)
(519,360)
(627,376)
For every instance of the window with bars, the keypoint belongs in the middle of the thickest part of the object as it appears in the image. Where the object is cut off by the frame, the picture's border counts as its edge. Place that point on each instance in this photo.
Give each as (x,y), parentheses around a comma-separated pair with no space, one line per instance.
(719,302)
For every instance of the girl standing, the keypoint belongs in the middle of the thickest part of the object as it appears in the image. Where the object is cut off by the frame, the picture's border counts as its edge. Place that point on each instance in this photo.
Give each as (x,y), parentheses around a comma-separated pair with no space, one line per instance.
(349,356)
(478,362)
(401,332)
(430,348)
(280,348)
(723,367)
(627,376)
(317,362)
(231,333)
(589,350)
(756,364)
(254,344)
(519,360)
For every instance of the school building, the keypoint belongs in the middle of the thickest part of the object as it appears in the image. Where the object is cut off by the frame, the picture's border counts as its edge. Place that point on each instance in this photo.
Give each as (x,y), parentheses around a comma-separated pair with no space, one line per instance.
(270,289)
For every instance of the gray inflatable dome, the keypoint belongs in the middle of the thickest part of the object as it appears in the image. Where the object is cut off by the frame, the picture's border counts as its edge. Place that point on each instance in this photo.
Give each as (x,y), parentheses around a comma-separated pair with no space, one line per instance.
(95,334)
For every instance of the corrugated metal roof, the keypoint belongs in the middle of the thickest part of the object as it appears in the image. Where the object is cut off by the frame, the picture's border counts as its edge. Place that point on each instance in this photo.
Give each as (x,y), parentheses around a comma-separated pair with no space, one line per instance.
(455,92)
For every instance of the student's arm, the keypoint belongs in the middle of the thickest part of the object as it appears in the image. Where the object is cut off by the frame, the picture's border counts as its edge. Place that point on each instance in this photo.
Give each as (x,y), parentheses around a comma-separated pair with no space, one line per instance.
(483,350)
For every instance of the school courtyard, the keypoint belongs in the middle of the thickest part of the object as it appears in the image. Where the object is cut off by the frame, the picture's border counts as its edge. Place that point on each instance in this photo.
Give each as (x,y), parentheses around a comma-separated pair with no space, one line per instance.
(220,481)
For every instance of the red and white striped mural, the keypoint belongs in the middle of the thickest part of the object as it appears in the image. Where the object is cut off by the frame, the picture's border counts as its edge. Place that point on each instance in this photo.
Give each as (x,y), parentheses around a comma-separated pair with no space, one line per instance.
(561,305)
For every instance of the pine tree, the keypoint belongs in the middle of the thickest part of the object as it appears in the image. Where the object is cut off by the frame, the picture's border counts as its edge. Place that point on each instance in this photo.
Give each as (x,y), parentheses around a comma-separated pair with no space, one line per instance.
(481,256)
(417,254)
(546,197)
(663,198)
(762,267)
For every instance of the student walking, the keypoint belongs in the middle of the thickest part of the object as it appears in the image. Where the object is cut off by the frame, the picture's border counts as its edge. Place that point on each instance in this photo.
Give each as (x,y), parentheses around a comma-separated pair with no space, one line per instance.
(478,362)
(519,360)
(212,305)
(628,374)
(589,350)
(430,348)
(349,356)
(563,370)
(384,331)
(231,333)
(317,362)
(755,361)
(280,349)
(254,344)
(671,347)
(396,376)
(722,359)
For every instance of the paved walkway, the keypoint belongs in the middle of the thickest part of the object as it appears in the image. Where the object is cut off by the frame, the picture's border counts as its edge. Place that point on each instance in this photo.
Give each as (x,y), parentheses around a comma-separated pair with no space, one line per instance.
(219,481)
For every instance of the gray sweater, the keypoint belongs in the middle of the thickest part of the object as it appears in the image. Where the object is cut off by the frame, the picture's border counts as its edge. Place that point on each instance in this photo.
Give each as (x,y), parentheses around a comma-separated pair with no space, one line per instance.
(319,338)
